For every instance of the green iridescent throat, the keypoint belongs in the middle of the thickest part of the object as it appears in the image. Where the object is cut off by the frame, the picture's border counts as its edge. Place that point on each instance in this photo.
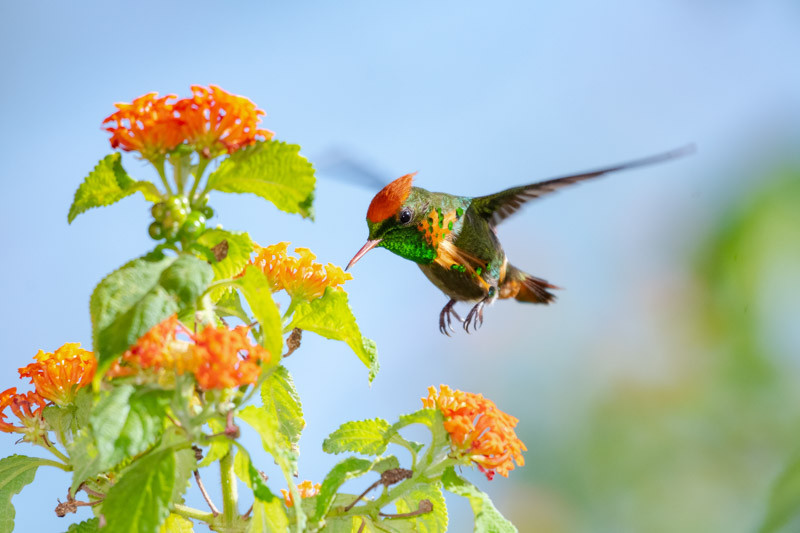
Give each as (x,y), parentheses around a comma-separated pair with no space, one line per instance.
(409,243)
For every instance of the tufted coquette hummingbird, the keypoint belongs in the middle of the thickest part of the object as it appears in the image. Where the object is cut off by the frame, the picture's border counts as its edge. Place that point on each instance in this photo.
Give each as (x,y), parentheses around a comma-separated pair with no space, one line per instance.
(454,241)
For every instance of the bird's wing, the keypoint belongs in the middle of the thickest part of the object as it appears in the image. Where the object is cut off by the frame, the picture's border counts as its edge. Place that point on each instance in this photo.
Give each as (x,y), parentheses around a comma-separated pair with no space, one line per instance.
(499,206)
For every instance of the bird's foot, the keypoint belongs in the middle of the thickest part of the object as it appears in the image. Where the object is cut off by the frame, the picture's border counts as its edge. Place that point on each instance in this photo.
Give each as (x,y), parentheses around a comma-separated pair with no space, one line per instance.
(475,316)
(446,316)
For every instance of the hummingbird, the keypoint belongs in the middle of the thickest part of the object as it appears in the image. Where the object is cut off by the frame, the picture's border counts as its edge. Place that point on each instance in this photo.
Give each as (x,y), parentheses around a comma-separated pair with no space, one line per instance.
(453,239)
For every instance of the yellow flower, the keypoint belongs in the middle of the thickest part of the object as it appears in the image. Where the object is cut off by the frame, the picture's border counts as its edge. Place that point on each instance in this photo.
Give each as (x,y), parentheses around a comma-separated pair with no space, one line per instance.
(306,490)
(479,431)
(300,276)
(57,376)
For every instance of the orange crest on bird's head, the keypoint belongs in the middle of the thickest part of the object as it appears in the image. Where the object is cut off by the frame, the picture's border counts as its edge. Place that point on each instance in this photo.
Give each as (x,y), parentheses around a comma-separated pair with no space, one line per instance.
(388,201)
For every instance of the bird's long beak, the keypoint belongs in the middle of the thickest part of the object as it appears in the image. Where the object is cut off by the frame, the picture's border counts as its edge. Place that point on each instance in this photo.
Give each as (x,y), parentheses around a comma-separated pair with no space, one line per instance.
(364,249)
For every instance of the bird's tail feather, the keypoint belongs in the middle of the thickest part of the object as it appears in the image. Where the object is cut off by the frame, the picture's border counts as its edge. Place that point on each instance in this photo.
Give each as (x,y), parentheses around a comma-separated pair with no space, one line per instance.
(526,288)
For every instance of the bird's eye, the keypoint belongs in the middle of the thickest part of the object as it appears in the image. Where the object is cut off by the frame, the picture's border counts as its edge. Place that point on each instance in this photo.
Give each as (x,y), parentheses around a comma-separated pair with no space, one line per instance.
(405,216)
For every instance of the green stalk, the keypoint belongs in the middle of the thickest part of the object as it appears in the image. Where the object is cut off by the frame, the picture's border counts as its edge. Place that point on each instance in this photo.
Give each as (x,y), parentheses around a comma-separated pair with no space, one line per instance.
(198,175)
(192,513)
(230,492)
(160,168)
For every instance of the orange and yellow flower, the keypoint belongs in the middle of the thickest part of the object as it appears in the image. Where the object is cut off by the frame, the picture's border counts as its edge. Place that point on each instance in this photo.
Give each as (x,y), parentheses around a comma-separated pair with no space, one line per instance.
(28,409)
(227,358)
(300,276)
(217,356)
(59,375)
(148,125)
(212,121)
(306,490)
(479,431)
(215,121)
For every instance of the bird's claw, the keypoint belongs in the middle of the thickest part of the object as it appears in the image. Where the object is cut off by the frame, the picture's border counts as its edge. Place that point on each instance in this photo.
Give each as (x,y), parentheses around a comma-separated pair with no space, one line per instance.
(475,316)
(446,317)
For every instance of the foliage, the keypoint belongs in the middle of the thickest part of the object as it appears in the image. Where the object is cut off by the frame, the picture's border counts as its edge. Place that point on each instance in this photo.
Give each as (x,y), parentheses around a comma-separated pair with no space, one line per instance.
(169,381)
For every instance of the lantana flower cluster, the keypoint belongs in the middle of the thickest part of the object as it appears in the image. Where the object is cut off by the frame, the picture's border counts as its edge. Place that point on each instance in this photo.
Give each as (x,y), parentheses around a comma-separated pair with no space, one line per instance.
(479,431)
(219,357)
(56,378)
(211,122)
(300,277)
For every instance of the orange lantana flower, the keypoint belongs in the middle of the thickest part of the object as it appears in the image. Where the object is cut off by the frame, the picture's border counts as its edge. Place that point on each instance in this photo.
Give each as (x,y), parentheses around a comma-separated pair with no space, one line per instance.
(57,376)
(226,358)
(157,349)
(306,490)
(300,276)
(147,125)
(215,121)
(28,409)
(479,431)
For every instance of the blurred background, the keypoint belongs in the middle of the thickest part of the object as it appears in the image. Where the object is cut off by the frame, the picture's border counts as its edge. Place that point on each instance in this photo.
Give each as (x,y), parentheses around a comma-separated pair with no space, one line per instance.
(658,394)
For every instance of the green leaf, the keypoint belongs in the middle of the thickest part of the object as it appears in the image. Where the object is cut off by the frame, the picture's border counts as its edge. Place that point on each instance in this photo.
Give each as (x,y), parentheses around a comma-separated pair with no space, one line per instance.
(368,437)
(140,500)
(244,469)
(267,426)
(16,471)
(274,171)
(87,526)
(331,317)
(347,469)
(127,421)
(282,402)
(784,501)
(139,295)
(85,459)
(106,184)
(175,523)
(487,518)
(219,445)
(268,517)
(239,249)
(385,463)
(257,291)
(432,522)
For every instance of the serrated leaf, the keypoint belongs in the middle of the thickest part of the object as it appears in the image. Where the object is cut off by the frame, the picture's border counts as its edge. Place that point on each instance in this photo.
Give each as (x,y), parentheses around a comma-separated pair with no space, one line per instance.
(273,170)
(87,526)
(347,469)
(282,402)
(140,500)
(432,522)
(432,418)
(106,184)
(240,247)
(257,292)
(331,317)
(127,421)
(139,295)
(175,523)
(268,517)
(267,427)
(61,420)
(784,500)
(368,437)
(244,469)
(16,471)
(487,518)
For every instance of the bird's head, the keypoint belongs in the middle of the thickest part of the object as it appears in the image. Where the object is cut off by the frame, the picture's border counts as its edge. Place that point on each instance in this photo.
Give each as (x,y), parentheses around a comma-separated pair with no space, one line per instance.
(393,219)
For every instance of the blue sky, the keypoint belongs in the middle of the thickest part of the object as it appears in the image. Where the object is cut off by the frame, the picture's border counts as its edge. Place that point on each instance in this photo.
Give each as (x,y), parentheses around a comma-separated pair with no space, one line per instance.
(475,97)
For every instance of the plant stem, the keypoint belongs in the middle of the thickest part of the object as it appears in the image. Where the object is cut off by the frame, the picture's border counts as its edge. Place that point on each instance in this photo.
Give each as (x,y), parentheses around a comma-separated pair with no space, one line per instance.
(48,462)
(191,512)
(160,167)
(55,451)
(230,493)
(201,168)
